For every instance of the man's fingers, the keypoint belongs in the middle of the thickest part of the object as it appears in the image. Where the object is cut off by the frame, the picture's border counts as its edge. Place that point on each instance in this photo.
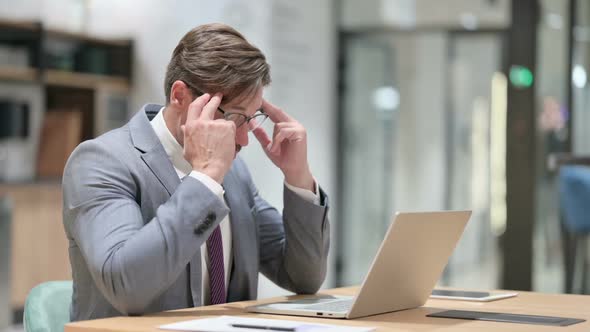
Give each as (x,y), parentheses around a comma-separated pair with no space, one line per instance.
(262,137)
(275,113)
(211,107)
(195,108)
(288,134)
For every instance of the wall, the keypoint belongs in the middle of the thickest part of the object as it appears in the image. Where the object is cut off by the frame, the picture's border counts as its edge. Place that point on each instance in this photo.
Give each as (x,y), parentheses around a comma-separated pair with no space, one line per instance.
(302,56)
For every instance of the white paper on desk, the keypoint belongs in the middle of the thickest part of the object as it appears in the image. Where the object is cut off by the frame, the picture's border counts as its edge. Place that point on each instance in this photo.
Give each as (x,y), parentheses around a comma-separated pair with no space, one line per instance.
(223,324)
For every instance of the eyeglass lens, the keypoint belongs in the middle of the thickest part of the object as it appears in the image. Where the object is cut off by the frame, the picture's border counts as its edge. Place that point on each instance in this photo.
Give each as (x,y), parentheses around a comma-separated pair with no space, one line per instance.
(239,119)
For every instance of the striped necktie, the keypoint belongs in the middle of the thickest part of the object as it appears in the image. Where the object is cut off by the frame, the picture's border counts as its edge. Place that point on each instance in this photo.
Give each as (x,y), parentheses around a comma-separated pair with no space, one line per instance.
(216,268)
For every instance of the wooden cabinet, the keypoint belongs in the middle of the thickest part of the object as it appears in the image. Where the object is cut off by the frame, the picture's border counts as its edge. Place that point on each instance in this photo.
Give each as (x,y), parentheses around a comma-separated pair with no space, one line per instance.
(69,72)
(39,244)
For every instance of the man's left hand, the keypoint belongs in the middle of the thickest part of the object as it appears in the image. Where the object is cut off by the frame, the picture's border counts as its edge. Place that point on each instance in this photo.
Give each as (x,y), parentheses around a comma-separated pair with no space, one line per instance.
(288,147)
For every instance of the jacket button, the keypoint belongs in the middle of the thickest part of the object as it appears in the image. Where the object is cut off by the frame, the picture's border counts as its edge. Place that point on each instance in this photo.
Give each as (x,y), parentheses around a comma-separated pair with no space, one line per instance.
(211,217)
(198,230)
(209,220)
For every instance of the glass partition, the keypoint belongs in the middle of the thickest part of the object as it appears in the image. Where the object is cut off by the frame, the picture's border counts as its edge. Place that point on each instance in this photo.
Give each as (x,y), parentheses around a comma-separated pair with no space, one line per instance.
(417,132)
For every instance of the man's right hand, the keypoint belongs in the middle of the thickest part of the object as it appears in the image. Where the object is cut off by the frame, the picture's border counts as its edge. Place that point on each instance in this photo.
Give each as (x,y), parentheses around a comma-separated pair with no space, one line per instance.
(209,144)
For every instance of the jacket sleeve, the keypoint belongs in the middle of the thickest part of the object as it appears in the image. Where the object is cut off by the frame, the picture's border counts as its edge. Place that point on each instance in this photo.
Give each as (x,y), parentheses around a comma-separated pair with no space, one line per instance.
(293,247)
(130,261)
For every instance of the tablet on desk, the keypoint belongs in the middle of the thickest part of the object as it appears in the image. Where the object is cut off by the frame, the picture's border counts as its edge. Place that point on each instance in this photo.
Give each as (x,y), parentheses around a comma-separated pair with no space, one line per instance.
(464,295)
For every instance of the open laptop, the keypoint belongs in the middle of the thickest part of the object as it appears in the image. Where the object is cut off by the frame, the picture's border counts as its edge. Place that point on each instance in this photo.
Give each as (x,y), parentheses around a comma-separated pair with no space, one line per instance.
(408,264)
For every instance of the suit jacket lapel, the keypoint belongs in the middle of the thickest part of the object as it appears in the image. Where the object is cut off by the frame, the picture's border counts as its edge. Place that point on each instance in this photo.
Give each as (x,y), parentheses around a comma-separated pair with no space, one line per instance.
(162,170)
(153,154)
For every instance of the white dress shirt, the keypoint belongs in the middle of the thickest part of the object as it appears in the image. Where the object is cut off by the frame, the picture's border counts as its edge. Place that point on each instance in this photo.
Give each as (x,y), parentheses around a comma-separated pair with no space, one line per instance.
(182,167)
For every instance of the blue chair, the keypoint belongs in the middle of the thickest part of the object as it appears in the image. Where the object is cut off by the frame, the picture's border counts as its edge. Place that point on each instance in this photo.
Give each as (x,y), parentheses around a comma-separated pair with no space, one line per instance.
(47,308)
(574,200)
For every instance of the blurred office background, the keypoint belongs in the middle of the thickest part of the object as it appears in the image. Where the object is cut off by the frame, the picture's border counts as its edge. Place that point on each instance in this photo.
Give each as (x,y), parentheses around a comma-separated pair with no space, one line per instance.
(409,105)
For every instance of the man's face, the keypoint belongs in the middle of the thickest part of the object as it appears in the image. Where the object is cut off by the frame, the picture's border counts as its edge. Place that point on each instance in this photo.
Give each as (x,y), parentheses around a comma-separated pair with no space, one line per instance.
(247,105)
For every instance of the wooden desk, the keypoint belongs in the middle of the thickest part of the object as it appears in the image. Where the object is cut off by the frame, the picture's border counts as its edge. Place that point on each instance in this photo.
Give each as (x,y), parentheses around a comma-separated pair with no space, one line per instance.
(572,306)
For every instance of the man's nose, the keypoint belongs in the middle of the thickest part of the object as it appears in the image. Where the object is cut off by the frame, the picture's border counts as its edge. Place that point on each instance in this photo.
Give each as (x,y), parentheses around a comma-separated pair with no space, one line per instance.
(242,135)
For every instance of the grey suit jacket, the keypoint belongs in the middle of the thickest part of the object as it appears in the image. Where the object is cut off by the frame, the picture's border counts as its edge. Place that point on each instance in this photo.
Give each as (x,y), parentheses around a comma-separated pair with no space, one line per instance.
(135,230)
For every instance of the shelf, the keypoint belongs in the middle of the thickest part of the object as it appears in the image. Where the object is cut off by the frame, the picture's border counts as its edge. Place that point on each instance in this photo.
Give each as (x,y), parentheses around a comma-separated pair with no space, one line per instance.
(24,74)
(111,56)
(85,81)
(21,25)
(64,78)
(54,33)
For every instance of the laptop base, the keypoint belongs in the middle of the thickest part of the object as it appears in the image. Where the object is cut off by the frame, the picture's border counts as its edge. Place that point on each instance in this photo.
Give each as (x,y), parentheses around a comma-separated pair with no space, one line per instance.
(310,307)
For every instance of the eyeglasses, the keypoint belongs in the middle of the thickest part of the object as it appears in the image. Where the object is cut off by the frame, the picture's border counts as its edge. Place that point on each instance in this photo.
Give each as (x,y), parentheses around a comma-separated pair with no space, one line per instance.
(254,121)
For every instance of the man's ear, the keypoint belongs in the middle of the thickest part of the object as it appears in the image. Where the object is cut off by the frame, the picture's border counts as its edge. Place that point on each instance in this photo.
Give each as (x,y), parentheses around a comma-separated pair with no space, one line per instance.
(180,94)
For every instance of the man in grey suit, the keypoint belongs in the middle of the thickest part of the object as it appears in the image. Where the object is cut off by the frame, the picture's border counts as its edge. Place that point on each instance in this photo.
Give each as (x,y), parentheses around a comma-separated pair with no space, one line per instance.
(161,214)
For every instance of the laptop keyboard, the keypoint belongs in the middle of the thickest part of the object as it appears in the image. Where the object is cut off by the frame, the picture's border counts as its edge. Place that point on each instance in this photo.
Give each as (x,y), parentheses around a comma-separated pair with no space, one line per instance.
(337,306)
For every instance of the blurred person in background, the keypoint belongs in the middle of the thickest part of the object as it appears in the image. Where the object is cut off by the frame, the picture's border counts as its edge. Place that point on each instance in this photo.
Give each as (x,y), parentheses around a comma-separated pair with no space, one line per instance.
(162,214)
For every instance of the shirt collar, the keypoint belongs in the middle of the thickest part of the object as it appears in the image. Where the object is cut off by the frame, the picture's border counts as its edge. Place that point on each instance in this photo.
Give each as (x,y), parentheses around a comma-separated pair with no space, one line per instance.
(173,149)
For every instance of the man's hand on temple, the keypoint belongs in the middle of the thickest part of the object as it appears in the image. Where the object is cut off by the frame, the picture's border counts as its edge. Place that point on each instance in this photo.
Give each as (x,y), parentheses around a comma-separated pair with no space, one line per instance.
(288,147)
(209,144)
